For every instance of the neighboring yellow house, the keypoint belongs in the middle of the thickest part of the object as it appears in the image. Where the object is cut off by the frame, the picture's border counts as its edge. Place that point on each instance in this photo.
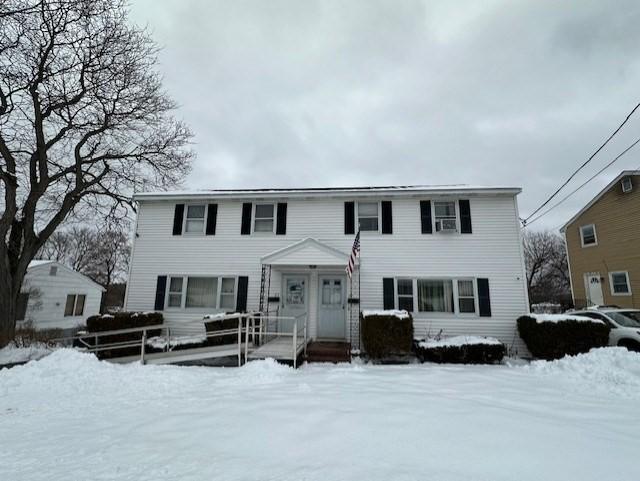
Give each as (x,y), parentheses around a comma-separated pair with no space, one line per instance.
(603,246)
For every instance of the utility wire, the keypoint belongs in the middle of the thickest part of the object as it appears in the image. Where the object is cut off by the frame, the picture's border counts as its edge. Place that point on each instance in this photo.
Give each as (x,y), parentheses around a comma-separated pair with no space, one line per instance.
(584,164)
(585,183)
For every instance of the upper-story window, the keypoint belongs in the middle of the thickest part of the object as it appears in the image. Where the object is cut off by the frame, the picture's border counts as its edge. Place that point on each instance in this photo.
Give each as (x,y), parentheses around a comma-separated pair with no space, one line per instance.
(588,235)
(194,221)
(368,216)
(264,218)
(445,216)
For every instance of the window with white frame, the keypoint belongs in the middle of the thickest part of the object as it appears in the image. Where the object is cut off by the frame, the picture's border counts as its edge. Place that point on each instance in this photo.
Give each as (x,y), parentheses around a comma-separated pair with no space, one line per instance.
(228,293)
(619,283)
(174,298)
(445,216)
(405,294)
(435,295)
(466,296)
(368,216)
(264,218)
(201,292)
(588,235)
(194,221)
(74,305)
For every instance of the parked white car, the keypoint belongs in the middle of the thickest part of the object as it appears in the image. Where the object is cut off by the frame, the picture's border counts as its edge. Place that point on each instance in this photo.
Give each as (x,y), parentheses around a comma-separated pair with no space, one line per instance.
(624,323)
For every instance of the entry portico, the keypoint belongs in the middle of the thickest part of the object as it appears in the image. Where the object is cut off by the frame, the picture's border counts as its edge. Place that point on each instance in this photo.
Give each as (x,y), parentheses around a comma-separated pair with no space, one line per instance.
(308,277)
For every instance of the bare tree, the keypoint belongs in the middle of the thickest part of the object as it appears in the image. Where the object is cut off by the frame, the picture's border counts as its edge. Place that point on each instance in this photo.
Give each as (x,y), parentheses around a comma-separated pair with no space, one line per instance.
(101,254)
(547,268)
(83,121)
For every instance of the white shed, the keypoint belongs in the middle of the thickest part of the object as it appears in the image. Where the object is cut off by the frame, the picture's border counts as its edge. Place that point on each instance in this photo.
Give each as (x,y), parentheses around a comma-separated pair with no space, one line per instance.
(55,296)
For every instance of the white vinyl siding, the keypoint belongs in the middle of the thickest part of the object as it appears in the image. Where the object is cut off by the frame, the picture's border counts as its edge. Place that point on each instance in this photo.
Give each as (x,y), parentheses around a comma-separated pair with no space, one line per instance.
(492,252)
(49,296)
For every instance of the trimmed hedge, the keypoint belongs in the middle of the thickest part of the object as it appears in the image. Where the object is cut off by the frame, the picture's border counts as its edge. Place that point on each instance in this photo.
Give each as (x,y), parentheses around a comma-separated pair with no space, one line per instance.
(553,340)
(385,336)
(465,354)
(223,325)
(122,320)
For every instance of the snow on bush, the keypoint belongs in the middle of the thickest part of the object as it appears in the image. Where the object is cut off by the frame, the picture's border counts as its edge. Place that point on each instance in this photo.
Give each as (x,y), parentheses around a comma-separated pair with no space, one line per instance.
(388,312)
(555,318)
(461,349)
(552,336)
(458,341)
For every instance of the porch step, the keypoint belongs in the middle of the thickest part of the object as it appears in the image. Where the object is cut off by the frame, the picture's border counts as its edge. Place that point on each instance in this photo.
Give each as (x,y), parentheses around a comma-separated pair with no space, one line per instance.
(324,351)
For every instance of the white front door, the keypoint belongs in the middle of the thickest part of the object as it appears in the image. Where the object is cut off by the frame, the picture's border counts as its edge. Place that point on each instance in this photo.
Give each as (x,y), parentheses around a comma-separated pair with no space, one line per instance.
(294,299)
(331,307)
(594,289)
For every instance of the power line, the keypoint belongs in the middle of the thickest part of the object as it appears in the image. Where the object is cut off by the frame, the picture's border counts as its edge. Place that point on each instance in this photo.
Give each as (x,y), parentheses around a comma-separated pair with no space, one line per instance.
(585,183)
(585,163)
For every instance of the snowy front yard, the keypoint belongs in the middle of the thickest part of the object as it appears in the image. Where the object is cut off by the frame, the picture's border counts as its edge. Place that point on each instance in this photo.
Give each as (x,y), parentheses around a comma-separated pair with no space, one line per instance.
(71,417)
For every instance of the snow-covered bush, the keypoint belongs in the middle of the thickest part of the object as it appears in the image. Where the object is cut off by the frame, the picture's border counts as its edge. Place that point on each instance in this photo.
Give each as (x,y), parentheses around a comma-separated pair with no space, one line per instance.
(552,336)
(461,349)
(121,320)
(386,333)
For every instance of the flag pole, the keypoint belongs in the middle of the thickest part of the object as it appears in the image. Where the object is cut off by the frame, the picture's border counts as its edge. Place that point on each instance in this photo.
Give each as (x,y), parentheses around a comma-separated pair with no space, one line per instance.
(359,292)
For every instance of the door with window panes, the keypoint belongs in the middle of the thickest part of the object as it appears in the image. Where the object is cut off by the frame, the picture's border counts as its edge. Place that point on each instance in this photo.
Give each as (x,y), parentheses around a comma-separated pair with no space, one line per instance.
(332,307)
(294,300)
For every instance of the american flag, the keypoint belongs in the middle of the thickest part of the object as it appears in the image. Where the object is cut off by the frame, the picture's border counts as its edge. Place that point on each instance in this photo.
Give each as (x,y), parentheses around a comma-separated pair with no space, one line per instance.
(355,252)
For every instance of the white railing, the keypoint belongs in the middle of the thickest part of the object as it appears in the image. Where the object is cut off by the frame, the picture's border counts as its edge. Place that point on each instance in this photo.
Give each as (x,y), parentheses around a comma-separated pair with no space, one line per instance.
(261,328)
(256,329)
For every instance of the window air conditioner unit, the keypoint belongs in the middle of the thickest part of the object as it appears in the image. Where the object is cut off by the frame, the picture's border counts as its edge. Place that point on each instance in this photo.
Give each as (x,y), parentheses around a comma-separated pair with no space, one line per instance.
(446,225)
(627,185)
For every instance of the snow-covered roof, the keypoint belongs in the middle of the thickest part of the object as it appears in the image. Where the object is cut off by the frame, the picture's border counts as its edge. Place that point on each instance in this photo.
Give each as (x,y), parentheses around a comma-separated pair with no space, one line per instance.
(620,176)
(43,262)
(451,189)
(39,262)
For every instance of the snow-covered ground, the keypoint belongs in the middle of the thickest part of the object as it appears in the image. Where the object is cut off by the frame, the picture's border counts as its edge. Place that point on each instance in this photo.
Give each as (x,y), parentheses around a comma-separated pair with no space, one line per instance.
(11,354)
(72,417)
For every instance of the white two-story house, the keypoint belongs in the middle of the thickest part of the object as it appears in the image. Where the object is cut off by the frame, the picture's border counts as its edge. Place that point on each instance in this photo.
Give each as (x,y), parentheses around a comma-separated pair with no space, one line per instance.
(450,255)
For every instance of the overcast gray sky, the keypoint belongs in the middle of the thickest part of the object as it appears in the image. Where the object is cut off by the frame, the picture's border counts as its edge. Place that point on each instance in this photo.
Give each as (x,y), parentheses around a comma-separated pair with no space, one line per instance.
(332,93)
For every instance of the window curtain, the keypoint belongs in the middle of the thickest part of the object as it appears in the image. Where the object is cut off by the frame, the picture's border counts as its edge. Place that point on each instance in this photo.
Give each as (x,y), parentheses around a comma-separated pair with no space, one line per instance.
(202,291)
(435,296)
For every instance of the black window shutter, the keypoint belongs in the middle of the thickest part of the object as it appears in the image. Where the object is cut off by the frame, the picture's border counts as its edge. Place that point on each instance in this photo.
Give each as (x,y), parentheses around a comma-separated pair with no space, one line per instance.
(245,227)
(387,218)
(178,215)
(425,217)
(161,287)
(212,217)
(465,216)
(484,299)
(281,225)
(349,218)
(388,300)
(241,299)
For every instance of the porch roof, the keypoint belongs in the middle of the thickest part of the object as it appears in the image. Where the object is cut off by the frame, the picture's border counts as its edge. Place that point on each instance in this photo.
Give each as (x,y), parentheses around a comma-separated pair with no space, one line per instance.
(306,252)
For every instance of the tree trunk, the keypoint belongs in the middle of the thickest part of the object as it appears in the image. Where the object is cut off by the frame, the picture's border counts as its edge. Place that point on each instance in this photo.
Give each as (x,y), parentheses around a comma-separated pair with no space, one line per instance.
(8,301)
